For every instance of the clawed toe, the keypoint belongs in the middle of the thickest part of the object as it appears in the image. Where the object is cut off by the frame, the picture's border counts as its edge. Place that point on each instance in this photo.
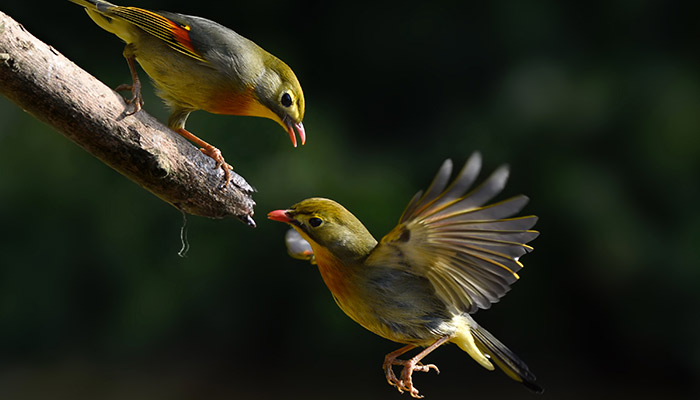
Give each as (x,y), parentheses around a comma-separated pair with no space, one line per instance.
(425,368)
(391,378)
(215,154)
(405,384)
(136,99)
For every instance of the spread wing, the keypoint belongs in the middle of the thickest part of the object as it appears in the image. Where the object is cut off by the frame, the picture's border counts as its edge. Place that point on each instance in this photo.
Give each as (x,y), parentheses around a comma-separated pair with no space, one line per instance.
(469,250)
(175,33)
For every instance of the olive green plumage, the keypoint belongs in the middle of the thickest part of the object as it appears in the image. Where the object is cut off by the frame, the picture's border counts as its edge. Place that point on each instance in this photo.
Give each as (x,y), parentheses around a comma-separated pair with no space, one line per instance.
(198,64)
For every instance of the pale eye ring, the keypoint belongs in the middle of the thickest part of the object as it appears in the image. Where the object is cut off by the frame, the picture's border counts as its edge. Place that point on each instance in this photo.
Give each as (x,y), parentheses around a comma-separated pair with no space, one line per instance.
(286,99)
(315,222)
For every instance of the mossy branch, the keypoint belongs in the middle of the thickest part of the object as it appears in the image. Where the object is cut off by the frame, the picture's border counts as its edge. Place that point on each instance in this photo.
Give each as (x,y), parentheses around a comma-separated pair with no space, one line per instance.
(53,89)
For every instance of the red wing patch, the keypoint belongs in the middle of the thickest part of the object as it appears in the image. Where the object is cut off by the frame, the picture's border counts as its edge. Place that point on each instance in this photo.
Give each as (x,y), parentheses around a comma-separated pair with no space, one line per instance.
(176,35)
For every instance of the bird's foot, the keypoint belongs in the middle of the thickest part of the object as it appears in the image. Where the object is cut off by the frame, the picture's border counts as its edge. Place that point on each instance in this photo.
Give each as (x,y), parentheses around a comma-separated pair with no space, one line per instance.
(405,384)
(210,151)
(136,98)
(215,154)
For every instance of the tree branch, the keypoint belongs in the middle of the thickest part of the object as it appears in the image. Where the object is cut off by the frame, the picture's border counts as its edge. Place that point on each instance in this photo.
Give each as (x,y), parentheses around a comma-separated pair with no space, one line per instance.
(52,88)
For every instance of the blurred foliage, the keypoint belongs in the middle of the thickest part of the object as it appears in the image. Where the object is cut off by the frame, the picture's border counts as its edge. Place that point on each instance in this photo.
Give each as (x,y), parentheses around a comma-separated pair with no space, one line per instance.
(595,105)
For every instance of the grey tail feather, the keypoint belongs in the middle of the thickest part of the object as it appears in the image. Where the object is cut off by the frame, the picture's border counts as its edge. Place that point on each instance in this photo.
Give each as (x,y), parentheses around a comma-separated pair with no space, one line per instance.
(98,5)
(505,358)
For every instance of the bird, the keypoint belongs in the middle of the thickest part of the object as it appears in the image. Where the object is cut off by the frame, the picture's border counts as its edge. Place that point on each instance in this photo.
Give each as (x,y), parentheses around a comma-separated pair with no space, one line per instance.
(450,255)
(198,64)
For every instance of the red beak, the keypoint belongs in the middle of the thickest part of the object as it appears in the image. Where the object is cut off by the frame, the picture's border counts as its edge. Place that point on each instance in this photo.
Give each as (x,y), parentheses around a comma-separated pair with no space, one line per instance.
(300,129)
(279,215)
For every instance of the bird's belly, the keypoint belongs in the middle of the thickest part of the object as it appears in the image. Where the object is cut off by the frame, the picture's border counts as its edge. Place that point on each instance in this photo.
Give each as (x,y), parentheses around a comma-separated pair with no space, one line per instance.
(177,85)
(187,83)
(390,308)
(399,325)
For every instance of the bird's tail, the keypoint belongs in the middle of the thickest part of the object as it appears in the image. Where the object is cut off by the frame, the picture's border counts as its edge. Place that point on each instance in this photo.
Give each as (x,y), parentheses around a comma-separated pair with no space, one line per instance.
(97,5)
(104,15)
(503,357)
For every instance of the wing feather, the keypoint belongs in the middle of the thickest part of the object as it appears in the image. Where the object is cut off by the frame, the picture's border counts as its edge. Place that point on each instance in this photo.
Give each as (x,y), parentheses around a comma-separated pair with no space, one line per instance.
(175,34)
(469,250)
(437,195)
(437,186)
(410,208)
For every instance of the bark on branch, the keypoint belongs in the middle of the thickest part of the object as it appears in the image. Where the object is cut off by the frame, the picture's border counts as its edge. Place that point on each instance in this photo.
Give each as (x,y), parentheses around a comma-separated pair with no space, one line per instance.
(52,88)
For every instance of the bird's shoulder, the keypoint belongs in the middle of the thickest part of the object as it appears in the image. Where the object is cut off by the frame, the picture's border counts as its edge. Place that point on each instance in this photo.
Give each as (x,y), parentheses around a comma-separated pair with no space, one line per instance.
(402,248)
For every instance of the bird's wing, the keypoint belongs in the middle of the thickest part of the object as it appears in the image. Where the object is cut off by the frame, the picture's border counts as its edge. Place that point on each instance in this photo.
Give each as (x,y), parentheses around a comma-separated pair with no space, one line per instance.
(175,33)
(467,249)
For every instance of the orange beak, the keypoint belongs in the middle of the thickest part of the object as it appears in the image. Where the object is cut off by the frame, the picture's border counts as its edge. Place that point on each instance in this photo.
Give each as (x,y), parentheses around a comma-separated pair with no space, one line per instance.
(279,215)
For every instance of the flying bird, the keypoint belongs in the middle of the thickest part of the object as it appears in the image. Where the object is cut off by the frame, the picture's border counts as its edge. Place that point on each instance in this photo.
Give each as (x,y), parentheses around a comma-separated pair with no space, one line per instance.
(451,254)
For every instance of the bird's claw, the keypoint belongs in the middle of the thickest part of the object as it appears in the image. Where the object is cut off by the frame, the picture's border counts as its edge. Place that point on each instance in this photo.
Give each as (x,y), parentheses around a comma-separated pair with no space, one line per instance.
(215,154)
(391,377)
(405,384)
(136,98)
(425,368)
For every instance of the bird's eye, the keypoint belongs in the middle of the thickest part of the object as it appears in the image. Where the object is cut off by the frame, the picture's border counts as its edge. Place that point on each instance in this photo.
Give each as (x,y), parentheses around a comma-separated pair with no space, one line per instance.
(315,222)
(286,99)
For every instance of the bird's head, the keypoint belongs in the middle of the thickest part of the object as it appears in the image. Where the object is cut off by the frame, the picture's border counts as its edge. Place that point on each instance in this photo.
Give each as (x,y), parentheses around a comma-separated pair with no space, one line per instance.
(327,225)
(279,92)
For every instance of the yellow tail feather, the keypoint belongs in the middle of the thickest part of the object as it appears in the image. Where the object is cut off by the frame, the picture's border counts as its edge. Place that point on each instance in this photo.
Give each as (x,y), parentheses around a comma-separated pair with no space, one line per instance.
(483,347)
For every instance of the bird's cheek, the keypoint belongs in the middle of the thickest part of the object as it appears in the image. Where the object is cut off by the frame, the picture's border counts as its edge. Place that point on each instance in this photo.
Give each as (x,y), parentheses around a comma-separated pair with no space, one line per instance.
(293,113)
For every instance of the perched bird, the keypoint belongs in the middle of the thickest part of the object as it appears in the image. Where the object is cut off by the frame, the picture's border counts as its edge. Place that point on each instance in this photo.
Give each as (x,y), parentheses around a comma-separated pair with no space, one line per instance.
(450,255)
(197,64)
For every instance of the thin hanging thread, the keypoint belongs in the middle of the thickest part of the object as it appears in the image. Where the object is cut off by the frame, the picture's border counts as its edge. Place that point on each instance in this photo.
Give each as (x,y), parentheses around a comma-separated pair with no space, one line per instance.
(183,237)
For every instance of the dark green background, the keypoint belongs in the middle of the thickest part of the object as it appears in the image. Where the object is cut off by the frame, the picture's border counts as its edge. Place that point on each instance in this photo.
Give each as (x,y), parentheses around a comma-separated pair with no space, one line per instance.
(595,105)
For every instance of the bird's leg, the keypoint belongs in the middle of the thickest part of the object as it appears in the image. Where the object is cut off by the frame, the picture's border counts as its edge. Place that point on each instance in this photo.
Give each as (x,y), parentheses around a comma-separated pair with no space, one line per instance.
(409,366)
(210,151)
(135,87)
(177,121)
